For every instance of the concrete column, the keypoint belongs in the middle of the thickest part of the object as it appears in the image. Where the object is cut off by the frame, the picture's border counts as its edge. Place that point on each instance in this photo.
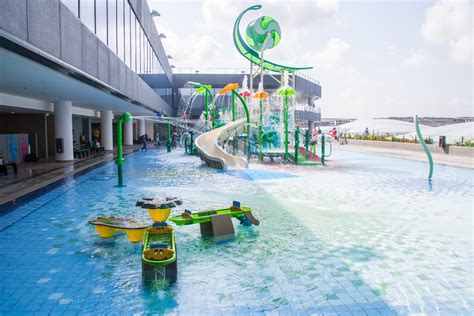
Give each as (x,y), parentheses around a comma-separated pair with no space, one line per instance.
(141,127)
(149,129)
(106,132)
(63,131)
(89,130)
(310,126)
(128,133)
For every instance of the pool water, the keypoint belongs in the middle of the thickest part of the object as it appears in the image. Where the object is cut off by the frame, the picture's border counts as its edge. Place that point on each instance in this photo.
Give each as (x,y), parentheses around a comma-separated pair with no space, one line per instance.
(364,235)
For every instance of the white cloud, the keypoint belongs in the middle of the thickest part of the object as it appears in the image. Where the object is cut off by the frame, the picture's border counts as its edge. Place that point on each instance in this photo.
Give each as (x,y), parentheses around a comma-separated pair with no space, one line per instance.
(333,55)
(416,58)
(191,50)
(450,22)
(219,14)
(461,50)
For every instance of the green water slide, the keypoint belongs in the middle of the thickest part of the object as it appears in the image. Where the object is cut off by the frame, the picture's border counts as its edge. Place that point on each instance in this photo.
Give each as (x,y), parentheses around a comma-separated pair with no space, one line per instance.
(252,55)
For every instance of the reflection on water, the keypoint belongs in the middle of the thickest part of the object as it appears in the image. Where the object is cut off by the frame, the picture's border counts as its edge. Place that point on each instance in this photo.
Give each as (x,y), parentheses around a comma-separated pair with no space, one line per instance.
(364,234)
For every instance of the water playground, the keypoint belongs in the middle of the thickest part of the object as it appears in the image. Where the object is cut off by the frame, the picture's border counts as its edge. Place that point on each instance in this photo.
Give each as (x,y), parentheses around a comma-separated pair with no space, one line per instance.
(240,124)
(286,225)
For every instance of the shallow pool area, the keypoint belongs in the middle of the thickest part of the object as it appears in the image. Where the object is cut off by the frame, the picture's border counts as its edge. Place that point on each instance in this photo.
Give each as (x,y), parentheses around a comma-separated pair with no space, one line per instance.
(363,235)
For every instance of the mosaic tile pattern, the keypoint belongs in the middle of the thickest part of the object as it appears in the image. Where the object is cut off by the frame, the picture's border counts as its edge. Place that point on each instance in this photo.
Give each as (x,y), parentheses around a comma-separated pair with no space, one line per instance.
(364,237)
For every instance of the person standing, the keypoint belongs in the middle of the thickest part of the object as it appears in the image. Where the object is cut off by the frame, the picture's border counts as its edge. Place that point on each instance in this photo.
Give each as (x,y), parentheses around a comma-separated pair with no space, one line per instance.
(144,140)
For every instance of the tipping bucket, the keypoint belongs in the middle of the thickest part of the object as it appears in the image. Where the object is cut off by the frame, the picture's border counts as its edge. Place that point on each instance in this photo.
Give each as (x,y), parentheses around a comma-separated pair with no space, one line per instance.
(159,214)
(104,231)
(135,235)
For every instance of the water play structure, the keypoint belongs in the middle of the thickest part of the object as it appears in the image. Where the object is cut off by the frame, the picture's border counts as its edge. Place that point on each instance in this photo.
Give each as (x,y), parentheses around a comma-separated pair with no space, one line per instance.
(159,251)
(159,246)
(239,123)
(107,227)
(126,117)
(255,124)
(217,223)
(423,144)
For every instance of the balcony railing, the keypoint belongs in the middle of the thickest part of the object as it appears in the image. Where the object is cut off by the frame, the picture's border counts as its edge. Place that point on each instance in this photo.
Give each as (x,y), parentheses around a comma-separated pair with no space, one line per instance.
(307,108)
(229,71)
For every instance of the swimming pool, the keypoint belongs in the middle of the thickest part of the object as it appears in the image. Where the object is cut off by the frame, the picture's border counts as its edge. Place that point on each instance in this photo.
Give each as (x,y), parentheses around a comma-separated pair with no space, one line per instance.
(366,235)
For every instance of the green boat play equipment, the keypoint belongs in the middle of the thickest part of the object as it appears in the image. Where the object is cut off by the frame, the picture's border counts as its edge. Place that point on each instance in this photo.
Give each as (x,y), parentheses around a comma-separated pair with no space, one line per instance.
(159,245)
(159,252)
(217,223)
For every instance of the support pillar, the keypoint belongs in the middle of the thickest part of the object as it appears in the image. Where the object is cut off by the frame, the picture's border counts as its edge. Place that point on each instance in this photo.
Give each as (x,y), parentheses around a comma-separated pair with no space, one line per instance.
(128,133)
(63,131)
(141,127)
(310,126)
(149,129)
(106,132)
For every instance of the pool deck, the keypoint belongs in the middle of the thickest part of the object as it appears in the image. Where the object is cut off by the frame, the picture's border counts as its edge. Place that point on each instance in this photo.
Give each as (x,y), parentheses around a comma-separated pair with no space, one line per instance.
(33,176)
(448,160)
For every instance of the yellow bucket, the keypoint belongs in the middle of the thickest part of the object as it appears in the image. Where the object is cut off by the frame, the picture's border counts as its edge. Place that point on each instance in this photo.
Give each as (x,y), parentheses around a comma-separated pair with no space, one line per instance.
(135,235)
(159,214)
(104,231)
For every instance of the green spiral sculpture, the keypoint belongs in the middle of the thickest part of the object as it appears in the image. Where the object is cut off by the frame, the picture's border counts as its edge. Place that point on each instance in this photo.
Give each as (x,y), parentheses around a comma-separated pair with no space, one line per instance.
(257,32)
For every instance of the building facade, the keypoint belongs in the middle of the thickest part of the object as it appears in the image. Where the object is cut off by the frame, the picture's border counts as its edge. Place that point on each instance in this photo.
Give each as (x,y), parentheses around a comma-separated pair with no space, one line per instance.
(67,64)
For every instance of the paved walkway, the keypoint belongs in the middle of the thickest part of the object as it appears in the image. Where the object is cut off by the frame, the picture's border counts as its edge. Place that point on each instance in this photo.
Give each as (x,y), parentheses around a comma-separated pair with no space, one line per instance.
(33,176)
(455,161)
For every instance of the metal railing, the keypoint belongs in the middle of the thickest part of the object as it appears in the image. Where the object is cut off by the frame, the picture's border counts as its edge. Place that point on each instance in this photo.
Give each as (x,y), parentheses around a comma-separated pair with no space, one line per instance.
(229,71)
(193,70)
(307,108)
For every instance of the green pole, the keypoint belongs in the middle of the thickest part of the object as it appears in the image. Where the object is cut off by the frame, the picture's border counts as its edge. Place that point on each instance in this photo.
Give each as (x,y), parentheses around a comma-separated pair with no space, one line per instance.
(168,143)
(186,146)
(247,116)
(192,143)
(126,117)
(297,143)
(323,148)
(306,144)
(233,107)
(208,97)
(423,144)
(206,113)
(285,119)
(260,133)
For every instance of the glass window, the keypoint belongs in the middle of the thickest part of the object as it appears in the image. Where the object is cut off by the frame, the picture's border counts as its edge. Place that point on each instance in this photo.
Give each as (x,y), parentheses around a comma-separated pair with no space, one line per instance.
(133,44)
(139,49)
(147,56)
(72,5)
(87,14)
(150,65)
(120,30)
(143,51)
(101,20)
(112,25)
(128,35)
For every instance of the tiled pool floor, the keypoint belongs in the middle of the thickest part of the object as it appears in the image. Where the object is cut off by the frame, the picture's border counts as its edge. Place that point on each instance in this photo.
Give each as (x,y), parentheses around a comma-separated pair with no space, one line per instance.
(365,235)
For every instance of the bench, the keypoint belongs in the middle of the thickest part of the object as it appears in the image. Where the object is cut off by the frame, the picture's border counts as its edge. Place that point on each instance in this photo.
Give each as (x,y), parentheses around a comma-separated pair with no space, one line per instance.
(4,170)
(80,152)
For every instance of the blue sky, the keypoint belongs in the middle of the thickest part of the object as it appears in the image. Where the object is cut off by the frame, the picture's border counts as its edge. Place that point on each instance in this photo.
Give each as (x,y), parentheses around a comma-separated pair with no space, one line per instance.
(373,58)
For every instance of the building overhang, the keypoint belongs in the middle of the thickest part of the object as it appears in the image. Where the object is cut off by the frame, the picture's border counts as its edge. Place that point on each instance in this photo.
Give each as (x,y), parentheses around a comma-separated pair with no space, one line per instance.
(29,72)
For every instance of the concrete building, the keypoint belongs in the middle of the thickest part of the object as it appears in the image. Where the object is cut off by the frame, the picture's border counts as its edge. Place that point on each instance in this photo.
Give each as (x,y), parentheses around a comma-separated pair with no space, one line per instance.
(74,64)
(70,67)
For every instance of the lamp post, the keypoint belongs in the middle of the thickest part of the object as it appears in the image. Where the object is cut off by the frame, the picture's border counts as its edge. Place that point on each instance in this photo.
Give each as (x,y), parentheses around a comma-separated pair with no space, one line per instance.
(126,117)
